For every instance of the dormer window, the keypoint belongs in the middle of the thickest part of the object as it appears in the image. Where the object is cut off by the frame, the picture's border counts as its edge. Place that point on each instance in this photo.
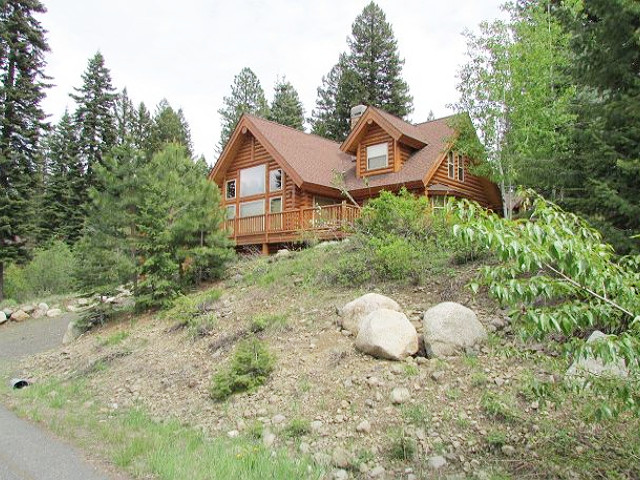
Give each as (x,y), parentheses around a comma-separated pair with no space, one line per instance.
(377,156)
(451,164)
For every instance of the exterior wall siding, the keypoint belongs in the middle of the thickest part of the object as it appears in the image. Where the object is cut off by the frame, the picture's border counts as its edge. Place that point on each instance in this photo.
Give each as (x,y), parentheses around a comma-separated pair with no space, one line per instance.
(374,136)
(470,187)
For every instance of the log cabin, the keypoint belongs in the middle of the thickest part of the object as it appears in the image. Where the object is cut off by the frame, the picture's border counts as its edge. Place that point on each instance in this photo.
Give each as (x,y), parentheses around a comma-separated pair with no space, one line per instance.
(279,184)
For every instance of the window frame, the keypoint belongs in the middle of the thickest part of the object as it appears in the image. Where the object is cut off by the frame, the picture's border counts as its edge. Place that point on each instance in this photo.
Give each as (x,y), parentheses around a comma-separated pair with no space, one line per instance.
(240,205)
(263,168)
(461,169)
(451,165)
(441,199)
(271,177)
(386,156)
(226,189)
(271,200)
(227,208)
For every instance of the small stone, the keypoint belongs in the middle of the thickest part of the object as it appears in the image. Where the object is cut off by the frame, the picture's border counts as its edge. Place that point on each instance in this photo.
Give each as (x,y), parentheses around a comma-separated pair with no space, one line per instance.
(341,458)
(268,438)
(373,382)
(233,433)
(19,316)
(436,462)
(369,403)
(499,381)
(316,425)
(400,395)
(508,450)
(304,447)
(54,312)
(277,419)
(422,360)
(364,427)
(340,474)
(377,471)
(43,306)
(437,375)
(498,323)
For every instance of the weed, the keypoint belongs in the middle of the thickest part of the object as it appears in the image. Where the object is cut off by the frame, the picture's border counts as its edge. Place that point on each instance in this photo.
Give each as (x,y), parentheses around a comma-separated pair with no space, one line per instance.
(479,379)
(453,394)
(254,430)
(411,370)
(298,427)
(195,312)
(275,322)
(402,447)
(416,414)
(500,406)
(114,339)
(496,438)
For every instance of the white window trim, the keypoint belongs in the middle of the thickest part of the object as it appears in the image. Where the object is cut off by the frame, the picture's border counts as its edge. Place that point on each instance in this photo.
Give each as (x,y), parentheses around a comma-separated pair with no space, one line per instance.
(262,166)
(281,180)
(386,155)
(281,203)
(246,203)
(226,189)
(229,207)
(461,168)
(451,165)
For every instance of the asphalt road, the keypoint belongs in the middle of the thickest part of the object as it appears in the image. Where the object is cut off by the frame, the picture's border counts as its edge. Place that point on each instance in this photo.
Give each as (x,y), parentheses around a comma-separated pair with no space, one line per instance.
(26,451)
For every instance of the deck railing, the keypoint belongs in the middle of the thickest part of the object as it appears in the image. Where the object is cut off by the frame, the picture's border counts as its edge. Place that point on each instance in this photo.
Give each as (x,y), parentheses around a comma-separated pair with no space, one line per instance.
(325,218)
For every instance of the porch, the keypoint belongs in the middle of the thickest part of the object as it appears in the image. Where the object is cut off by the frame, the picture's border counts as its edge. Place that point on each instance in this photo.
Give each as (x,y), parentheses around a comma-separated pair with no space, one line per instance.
(323,222)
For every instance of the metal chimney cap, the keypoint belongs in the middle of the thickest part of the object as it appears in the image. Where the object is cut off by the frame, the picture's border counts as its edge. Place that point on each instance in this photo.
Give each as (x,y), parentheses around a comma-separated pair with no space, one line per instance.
(358,110)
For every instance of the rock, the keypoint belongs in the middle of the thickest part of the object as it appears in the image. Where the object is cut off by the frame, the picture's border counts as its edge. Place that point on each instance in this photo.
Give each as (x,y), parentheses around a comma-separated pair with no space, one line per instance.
(584,367)
(316,425)
(19,316)
(8,311)
(277,419)
(43,306)
(376,472)
(508,450)
(450,328)
(3,317)
(498,323)
(355,311)
(233,433)
(437,375)
(268,438)
(340,474)
(341,458)
(83,302)
(436,462)
(364,427)
(72,333)
(282,253)
(28,308)
(387,334)
(54,312)
(400,395)
(304,448)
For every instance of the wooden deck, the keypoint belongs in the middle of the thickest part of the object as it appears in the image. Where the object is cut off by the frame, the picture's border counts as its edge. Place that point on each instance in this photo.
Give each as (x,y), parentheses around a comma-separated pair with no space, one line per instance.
(331,221)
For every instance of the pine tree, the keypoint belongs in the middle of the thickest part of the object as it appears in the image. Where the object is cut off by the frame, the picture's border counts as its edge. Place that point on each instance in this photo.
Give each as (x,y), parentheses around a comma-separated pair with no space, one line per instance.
(94,115)
(125,117)
(64,193)
(246,96)
(168,127)
(22,120)
(369,74)
(286,108)
(142,128)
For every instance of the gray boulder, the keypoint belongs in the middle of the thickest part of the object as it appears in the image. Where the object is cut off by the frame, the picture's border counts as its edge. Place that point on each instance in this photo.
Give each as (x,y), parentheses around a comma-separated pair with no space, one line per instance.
(355,311)
(387,334)
(54,312)
(43,306)
(450,328)
(591,366)
(3,317)
(19,316)
(72,333)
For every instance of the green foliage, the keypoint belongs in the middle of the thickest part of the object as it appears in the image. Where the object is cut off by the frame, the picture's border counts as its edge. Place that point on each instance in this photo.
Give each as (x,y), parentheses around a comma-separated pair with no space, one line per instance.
(195,311)
(286,108)
(369,74)
(262,322)
(251,365)
(246,96)
(402,447)
(169,127)
(496,438)
(114,338)
(50,272)
(417,415)
(558,276)
(500,406)
(298,427)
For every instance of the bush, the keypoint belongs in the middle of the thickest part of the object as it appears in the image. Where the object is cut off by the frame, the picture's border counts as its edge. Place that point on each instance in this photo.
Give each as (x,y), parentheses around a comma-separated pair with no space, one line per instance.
(264,322)
(195,312)
(50,272)
(251,365)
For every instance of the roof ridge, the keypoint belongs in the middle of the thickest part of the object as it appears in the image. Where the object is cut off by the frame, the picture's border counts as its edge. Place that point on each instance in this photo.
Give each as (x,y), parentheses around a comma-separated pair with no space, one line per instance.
(436,119)
(294,129)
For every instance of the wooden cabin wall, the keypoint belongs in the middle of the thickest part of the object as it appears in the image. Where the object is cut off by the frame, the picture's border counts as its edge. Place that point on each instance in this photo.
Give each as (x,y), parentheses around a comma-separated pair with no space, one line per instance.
(470,187)
(374,136)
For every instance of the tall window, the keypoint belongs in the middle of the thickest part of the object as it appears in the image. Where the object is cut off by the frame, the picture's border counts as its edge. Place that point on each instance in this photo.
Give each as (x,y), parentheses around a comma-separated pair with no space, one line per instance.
(230,189)
(377,156)
(275,205)
(461,169)
(252,180)
(231,211)
(249,209)
(275,180)
(451,163)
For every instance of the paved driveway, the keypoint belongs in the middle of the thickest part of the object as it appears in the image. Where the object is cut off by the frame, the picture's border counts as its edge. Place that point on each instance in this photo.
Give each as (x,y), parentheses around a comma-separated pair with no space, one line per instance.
(26,451)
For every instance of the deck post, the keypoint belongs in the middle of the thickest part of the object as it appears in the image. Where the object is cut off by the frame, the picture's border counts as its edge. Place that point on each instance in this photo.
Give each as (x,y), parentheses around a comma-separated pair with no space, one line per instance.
(265,249)
(343,212)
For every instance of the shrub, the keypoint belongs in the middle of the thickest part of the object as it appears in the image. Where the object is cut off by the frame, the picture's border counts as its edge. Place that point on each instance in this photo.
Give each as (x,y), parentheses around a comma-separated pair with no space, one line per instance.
(297,428)
(195,312)
(402,447)
(251,365)
(264,322)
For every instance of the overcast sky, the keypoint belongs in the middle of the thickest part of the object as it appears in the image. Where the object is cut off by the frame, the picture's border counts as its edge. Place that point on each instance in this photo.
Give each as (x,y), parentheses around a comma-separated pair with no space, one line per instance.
(189,51)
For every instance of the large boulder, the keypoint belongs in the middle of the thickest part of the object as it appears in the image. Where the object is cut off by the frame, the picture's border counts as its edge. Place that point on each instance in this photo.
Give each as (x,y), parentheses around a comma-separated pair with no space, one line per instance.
(54,312)
(591,366)
(450,328)
(72,333)
(19,316)
(355,311)
(387,334)
(3,317)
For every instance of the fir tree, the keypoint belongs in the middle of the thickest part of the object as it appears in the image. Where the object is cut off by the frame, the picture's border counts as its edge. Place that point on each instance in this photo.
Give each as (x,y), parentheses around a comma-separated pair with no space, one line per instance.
(142,128)
(94,115)
(125,117)
(22,85)
(168,127)
(369,74)
(246,96)
(286,108)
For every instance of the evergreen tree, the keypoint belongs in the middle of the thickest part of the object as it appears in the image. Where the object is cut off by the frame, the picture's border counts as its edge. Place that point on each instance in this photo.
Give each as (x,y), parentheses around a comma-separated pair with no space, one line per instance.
(141,129)
(64,193)
(22,85)
(94,115)
(125,116)
(286,108)
(369,74)
(604,179)
(246,96)
(168,127)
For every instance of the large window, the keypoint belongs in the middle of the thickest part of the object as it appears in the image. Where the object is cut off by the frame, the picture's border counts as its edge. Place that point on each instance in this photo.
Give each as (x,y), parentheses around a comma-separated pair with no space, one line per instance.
(275,205)
(230,189)
(252,180)
(275,180)
(438,201)
(377,156)
(461,169)
(231,211)
(249,209)
(451,163)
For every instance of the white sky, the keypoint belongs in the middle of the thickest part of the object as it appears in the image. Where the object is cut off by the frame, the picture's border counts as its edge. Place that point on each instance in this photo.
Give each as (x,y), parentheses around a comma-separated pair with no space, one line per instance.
(189,51)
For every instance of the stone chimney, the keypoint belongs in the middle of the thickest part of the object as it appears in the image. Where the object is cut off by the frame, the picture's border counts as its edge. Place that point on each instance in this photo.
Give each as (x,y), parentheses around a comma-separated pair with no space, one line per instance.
(356,113)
